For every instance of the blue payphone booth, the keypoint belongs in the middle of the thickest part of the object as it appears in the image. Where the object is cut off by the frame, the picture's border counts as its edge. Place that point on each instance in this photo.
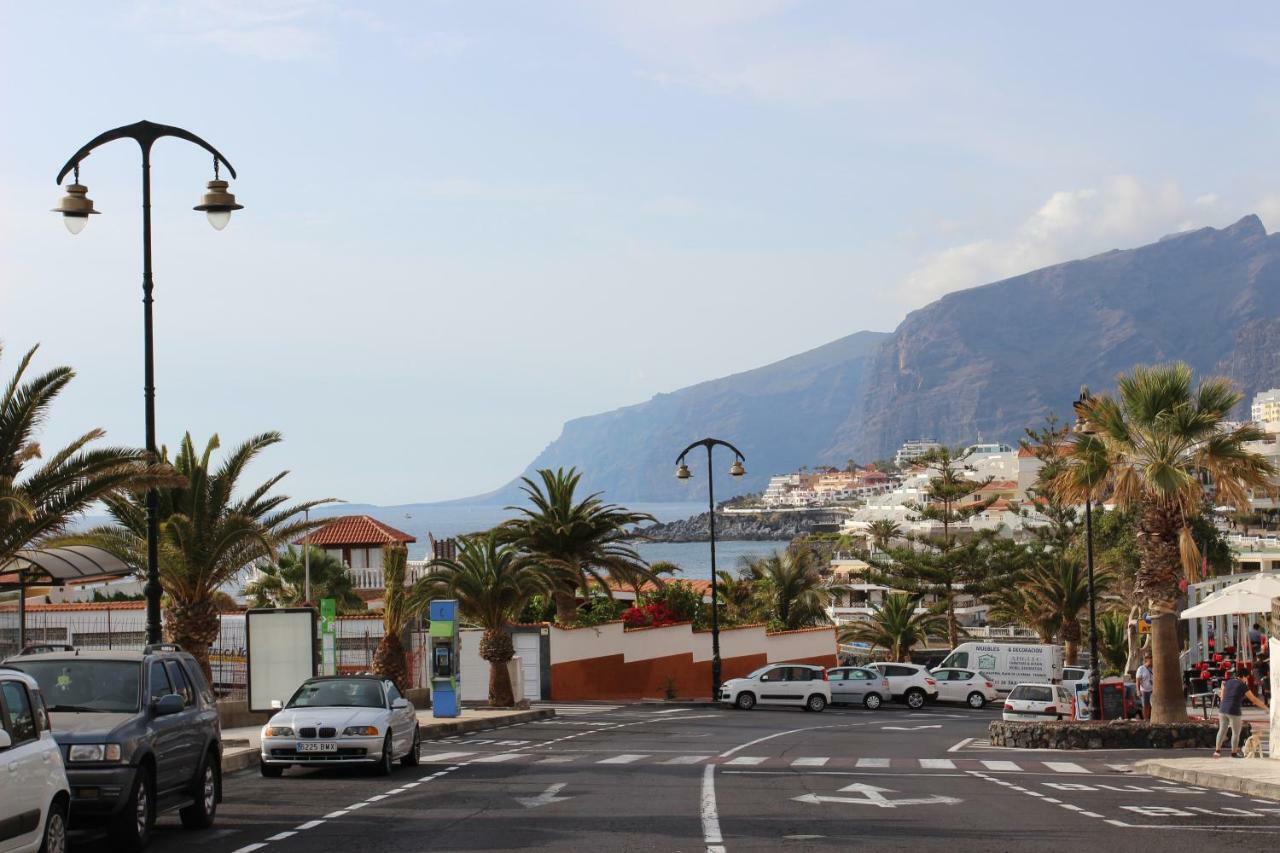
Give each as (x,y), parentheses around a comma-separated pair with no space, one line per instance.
(445,701)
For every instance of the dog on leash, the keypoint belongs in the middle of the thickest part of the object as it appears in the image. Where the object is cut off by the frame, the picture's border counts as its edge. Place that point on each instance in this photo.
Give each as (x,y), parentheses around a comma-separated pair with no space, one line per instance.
(1253,747)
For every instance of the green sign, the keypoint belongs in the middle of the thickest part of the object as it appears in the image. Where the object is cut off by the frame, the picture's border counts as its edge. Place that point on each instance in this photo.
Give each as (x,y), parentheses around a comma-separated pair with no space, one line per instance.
(328,636)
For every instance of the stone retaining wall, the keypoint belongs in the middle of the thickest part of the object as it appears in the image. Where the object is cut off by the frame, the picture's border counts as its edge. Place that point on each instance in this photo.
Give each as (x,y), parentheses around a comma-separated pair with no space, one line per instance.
(1117,734)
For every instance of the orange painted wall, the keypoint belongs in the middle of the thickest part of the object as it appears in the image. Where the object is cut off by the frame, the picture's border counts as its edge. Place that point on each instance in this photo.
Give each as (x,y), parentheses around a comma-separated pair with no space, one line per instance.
(610,677)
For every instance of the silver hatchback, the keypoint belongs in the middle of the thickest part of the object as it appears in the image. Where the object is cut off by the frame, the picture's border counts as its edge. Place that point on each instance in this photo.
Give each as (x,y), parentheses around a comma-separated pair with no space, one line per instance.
(854,684)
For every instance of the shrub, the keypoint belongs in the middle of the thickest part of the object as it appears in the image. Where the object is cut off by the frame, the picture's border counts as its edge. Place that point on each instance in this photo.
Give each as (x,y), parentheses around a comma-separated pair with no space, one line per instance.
(654,615)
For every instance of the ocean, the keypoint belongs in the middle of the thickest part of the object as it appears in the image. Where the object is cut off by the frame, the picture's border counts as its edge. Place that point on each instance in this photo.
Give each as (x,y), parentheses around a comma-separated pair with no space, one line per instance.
(446,520)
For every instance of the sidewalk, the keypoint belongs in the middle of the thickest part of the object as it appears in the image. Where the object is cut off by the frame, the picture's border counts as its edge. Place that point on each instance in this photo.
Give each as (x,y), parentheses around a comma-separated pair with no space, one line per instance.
(241,746)
(1255,777)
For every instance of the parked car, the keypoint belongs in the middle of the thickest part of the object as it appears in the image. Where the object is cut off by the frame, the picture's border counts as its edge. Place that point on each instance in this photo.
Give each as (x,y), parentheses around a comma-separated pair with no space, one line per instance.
(1039,702)
(36,794)
(908,682)
(140,736)
(796,684)
(854,684)
(973,688)
(1008,663)
(346,720)
(1073,677)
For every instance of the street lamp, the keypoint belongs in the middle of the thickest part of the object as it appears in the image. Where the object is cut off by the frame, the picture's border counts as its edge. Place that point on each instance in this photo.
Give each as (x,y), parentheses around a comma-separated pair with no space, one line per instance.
(76,208)
(1084,427)
(682,473)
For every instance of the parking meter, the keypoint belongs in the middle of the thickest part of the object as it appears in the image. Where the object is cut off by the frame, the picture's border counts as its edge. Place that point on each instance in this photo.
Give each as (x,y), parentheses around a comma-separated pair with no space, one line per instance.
(443,660)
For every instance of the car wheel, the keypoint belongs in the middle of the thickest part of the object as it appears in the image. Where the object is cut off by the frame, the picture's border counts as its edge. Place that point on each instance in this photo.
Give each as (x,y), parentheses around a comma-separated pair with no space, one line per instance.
(271,771)
(131,828)
(410,758)
(872,701)
(55,830)
(977,700)
(816,703)
(745,701)
(914,698)
(199,815)
(383,767)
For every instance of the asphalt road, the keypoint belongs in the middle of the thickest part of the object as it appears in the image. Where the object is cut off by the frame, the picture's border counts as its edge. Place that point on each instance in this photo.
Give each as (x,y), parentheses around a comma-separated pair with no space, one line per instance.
(702,779)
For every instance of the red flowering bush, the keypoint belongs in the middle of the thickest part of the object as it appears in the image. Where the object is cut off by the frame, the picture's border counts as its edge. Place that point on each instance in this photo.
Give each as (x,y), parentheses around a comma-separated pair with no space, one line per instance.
(653,615)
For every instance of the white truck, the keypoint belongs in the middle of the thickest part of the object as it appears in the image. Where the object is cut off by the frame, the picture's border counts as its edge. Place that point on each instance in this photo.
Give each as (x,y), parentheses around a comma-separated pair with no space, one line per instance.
(1009,664)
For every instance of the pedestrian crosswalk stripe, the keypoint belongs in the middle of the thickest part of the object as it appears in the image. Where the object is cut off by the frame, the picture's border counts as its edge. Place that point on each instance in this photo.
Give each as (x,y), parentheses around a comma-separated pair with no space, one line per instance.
(937,764)
(1064,767)
(625,758)
(444,756)
(687,759)
(809,762)
(873,762)
(748,760)
(556,759)
(494,759)
(1002,765)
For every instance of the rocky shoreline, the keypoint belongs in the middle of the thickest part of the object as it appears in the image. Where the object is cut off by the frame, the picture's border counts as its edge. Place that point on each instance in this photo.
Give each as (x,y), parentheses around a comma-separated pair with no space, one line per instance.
(752,528)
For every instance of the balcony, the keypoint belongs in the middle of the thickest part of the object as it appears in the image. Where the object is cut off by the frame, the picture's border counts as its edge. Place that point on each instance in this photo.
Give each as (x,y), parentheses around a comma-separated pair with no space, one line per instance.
(374,578)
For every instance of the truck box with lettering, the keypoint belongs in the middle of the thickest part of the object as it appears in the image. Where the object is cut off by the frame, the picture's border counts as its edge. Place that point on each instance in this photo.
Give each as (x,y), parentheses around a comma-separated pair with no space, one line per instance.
(1009,664)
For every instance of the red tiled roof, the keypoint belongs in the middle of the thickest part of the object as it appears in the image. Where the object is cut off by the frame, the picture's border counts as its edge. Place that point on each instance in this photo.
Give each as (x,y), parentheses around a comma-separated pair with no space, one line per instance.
(79,606)
(702,586)
(356,530)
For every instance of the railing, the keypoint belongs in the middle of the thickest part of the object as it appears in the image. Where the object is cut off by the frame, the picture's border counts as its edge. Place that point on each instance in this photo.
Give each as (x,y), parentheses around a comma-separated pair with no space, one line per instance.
(375,579)
(1007,632)
(1253,544)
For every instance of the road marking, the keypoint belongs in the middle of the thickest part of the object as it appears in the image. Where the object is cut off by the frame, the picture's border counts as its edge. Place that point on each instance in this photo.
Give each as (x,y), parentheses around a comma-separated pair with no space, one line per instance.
(874,796)
(749,760)
(355,806)
(907,728)
(1002,765)
(961,745)
(937,764)
(311,824)
(281,836)
(872,762)
(710,817)
(494,759)
(687,759)
(332,815)
(445,756)
(622,759)
(249,848)
(375,798)
(546,798)
(672,711)
(556,759)
(1064,767)
(809,762)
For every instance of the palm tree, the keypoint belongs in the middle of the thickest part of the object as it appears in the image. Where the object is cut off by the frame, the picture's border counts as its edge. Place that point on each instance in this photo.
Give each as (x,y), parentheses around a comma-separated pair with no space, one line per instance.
(576,542)
(207,534)
(796,592)
(39,495)
(883,531)
(491,581)
(1012,605)
(389,660)
(1151,448)
(1113,642)
(737,596)
(896,627)
(282,583)
(1057,590)
(636,579)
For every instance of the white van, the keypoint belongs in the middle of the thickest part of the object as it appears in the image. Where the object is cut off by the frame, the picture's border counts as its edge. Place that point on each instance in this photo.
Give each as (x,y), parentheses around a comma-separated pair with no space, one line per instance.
(1009,664)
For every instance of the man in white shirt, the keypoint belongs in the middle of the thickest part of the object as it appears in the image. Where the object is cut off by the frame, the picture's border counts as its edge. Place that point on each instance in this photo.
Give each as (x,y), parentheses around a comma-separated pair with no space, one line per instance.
(1146,685)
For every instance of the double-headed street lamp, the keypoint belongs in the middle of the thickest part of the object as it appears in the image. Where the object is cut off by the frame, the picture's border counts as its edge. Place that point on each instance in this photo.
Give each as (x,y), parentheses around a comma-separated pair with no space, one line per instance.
(682,473)
(76,208)
(1084,428)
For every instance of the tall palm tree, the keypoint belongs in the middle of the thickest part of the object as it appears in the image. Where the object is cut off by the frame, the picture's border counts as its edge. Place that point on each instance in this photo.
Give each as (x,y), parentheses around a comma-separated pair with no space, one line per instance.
(883,531)
(577,542)
(896,627)
(208,534)
(796,592)
(636,579)
(737,595)
(282,582)
(1113,642)
(1151,448)
(41,494)
(389,659)
(1057,591)
(491,582)
(1011,604)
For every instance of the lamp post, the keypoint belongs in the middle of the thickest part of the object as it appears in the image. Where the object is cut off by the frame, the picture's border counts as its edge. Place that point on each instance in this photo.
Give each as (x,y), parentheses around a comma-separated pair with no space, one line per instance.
(682,473)
(76,208)
(1084,428)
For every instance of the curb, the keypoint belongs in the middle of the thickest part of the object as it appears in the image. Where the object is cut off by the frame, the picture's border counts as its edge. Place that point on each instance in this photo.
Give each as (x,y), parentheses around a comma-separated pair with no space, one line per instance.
(679,703)
(241,758)
(1162,769)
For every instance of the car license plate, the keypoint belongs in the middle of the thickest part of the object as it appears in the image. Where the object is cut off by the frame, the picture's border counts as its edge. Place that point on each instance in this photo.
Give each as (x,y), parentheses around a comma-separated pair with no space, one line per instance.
(317,747)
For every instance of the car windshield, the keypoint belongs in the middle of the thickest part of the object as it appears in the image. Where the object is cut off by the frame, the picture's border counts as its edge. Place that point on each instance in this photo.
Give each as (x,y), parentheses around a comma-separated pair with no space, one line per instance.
(1032,693)
(340,693)
(86,685)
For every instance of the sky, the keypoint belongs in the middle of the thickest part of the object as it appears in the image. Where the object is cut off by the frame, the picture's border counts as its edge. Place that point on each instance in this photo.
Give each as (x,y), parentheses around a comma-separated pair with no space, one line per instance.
(468,222)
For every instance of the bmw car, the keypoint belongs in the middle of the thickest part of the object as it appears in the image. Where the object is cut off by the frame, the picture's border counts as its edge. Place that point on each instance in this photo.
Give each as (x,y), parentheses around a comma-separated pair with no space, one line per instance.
(357,720)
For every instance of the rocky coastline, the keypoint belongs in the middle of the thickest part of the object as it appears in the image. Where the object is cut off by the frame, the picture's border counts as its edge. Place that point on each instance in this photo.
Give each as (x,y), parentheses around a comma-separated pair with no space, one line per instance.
(754,527)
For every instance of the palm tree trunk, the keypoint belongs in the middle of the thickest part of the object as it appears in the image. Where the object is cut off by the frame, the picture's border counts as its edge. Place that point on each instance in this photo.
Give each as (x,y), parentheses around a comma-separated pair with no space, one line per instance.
(1071,639)
(498,649)
(389,661)
(194,625)
(566,605)
(1159,570)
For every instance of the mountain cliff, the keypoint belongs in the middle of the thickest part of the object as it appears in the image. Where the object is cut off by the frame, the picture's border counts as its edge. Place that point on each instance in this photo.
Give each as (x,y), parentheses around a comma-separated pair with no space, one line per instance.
(986,362)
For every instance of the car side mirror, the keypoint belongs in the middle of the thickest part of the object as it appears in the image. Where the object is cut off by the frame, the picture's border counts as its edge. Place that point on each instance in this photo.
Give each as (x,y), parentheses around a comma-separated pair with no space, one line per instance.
(169,704)
(277,705)
(397,704)
(5,740)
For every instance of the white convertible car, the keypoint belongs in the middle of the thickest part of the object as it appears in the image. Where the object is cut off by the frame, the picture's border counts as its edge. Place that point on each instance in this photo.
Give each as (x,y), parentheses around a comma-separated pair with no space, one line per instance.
(345,719)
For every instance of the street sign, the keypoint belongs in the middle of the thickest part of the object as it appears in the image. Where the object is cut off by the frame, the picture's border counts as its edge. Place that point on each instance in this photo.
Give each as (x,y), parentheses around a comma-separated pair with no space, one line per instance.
(328,636)
(873,796)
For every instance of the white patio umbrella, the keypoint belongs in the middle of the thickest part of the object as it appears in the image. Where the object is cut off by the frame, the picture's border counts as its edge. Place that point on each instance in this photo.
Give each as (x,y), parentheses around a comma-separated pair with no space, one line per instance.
(1230,602)
(1268,585)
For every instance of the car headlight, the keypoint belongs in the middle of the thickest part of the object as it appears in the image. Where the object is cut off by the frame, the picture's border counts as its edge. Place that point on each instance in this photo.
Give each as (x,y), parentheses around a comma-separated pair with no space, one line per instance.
(94,752)
(360,731)
(277,731)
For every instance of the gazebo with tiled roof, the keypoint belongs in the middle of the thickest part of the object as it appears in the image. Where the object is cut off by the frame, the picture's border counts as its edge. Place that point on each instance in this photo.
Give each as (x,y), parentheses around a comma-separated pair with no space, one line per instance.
(356,539)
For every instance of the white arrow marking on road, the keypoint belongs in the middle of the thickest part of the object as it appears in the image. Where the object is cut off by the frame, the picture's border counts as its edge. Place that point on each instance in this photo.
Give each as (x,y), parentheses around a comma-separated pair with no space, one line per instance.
(906,728)
(546,798)
(873,796)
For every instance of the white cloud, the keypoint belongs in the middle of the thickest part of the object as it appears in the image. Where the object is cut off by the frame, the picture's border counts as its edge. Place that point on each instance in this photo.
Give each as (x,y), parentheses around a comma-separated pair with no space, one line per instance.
(279,30)
(1121,213)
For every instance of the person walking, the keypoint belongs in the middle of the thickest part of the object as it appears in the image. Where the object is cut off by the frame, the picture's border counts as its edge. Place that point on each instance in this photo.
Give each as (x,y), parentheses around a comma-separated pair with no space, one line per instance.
(1146,684)
(1231,714)
(1255,638)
